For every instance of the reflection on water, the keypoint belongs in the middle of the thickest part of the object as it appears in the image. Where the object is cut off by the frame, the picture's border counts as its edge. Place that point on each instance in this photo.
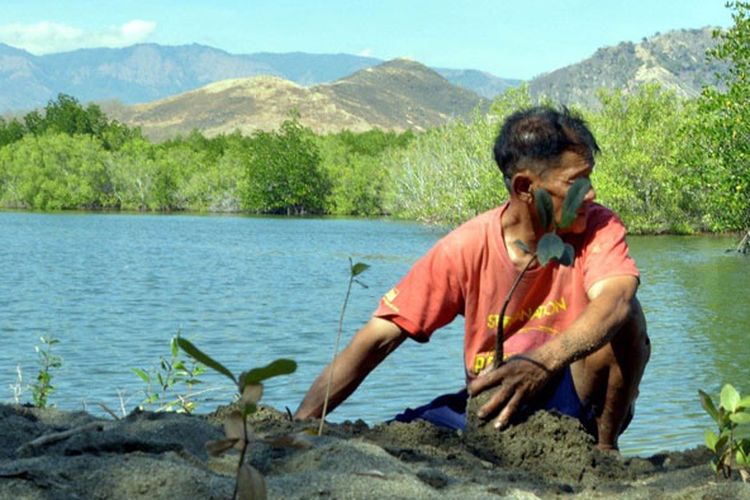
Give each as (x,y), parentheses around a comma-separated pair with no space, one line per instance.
(114,288)
(695,298)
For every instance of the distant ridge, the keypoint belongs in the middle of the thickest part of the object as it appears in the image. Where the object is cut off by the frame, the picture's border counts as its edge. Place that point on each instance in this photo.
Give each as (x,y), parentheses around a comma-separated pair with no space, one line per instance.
(146,72)
(676,60)
(396,95)
(149,73)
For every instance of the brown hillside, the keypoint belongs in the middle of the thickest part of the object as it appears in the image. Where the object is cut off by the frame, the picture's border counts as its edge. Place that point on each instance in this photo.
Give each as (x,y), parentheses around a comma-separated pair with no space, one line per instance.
(676,60)
(396,95)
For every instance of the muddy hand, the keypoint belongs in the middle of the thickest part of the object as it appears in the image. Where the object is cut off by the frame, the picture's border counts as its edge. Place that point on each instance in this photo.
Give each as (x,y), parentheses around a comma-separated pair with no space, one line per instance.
(516,381)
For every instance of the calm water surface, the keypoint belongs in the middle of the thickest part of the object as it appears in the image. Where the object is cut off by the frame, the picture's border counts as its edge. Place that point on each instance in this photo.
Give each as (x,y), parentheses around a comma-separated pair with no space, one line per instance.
(115,288)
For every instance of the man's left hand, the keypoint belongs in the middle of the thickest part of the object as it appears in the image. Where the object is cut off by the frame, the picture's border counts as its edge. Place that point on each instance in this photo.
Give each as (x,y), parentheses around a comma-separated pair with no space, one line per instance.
(516,381)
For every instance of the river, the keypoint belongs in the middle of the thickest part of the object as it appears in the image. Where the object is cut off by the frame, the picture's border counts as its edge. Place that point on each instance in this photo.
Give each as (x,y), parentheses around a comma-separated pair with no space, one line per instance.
(114,288)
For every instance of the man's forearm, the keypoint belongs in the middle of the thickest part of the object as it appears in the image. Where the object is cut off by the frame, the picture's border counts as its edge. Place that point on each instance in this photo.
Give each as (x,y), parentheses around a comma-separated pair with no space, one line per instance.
(592,330)
(366,350)
(348,374)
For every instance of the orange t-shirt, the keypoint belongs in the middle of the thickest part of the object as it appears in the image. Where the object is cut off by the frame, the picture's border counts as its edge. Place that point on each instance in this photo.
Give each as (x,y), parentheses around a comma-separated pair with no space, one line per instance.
(469,272)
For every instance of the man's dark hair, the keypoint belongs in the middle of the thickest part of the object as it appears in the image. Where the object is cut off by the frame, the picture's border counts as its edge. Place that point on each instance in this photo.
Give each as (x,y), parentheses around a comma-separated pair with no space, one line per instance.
(532,138)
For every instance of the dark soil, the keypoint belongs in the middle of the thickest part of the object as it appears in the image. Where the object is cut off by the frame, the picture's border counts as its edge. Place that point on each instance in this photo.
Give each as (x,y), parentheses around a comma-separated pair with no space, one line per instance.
(162,455)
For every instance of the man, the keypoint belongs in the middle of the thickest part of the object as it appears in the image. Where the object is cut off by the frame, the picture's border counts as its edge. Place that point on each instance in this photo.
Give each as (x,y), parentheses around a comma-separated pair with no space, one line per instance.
(575,337)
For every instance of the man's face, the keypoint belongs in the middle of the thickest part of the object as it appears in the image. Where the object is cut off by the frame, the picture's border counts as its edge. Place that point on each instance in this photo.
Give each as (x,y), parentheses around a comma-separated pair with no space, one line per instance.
(558,179)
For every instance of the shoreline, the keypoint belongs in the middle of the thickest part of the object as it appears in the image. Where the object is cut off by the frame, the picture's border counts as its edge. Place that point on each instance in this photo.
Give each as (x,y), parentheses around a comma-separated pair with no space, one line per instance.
(163,455)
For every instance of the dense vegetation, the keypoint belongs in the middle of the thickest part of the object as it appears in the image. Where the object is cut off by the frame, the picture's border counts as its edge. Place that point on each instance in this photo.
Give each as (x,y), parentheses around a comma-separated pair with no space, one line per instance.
(667,164)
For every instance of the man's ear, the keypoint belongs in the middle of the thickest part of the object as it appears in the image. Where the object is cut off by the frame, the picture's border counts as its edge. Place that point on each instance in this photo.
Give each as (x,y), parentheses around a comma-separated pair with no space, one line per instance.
(522,187)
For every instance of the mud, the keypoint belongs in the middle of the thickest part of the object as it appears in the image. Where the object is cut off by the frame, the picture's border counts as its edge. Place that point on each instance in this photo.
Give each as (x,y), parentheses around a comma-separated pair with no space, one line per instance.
(150,455)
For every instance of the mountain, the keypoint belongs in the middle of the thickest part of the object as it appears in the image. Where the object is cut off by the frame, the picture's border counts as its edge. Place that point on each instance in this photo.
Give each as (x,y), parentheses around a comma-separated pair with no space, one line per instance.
(22,80)
(675,60)
(485,84)
(394,95)
(146,72)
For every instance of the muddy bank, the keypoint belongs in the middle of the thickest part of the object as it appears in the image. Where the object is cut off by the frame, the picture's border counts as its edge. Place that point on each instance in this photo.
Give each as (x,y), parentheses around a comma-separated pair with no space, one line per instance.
(162,455)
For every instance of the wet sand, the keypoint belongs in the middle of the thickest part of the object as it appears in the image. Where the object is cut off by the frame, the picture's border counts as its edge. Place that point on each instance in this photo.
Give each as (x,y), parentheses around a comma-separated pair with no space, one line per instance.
(163,455)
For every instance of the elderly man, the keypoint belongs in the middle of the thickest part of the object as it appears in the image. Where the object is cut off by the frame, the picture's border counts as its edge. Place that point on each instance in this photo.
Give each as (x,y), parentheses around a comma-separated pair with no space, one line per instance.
(574,337)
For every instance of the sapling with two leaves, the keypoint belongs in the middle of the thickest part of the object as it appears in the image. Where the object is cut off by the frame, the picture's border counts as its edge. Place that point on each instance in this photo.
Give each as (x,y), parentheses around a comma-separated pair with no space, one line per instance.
(550,248)
(249,481)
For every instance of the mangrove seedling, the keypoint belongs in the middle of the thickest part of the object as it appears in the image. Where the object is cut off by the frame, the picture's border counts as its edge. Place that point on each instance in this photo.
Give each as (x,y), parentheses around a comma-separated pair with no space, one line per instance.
(249,482)
(550,246)
(17,387)
(730,451)
(354,271)
(167,377)
(42,387)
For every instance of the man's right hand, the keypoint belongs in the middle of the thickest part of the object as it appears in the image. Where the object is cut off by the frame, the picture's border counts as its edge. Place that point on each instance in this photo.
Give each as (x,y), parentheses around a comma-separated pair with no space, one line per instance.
(368,347)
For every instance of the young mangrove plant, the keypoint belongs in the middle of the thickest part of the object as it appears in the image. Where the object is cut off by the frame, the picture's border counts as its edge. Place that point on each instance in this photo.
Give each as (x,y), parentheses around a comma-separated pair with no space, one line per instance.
(744,245)
(17,387)
(550,246)
(167,378)
(249,482)
(730,451)
(354,271)
(42,387)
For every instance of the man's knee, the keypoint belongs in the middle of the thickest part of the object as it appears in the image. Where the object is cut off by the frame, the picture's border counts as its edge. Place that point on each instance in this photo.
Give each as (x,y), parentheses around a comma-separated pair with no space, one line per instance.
(632,340)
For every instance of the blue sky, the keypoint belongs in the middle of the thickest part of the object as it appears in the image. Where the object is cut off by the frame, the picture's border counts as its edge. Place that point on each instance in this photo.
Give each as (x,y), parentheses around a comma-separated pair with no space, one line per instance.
(509,38)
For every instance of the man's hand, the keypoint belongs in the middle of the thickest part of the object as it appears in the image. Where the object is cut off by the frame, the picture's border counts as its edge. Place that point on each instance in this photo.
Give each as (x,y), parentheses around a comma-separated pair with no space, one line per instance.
(515,382)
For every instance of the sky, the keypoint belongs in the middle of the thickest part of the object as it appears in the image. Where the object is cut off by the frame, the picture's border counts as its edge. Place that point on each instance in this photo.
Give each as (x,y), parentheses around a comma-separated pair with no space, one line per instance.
(508,38)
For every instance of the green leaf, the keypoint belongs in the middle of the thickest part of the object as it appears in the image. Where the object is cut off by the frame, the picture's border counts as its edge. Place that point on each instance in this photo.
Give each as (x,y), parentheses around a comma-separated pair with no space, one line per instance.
(142,374)
(549,247)
(544,208)
(204,358)
(573,199)
(740,418)
(708,405)
(173,347)
(249,409)
(741,458)
(711,439)
(730,398)
(722,442)
(359,268)
(568,256)
(744,402)
(273,369)
(523,246)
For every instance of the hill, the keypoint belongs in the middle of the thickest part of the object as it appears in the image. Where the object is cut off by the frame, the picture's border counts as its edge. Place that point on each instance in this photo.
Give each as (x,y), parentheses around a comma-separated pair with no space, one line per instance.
(147,72)
(675,60)
(395,95)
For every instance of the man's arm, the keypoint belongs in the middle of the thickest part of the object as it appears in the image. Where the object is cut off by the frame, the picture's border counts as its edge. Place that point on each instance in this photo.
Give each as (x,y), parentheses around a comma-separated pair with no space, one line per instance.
(368,347)
(521,377)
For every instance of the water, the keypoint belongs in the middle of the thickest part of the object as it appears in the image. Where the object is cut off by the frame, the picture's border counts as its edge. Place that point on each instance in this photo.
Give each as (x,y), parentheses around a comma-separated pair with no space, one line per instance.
(114,288)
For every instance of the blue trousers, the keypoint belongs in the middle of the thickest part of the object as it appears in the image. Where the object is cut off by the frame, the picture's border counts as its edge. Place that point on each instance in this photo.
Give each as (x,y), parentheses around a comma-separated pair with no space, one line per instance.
(449,410)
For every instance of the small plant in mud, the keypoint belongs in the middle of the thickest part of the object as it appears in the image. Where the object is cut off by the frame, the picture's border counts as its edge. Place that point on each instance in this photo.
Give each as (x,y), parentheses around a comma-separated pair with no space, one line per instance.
(550,246)
(42,387)
(730,451)
(249,482)
(17,387)
(354,271)
(743,246)
(167,378)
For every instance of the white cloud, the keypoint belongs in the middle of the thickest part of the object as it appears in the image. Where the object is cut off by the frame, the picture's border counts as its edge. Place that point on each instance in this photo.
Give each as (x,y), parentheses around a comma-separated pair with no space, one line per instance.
(46,37)
(365,53)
